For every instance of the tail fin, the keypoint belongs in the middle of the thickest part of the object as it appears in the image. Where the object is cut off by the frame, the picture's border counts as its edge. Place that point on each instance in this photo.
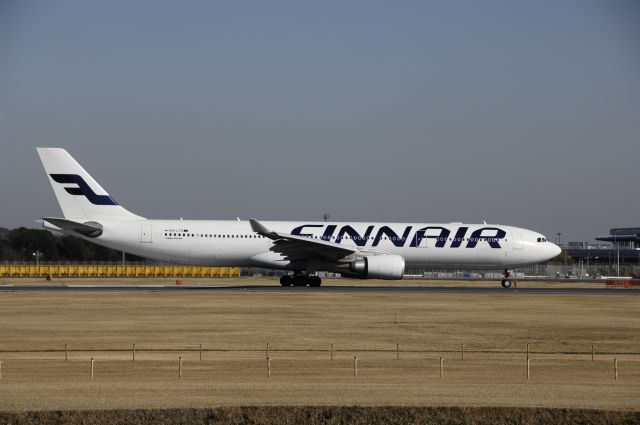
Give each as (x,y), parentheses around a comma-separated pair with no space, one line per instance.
(79,195)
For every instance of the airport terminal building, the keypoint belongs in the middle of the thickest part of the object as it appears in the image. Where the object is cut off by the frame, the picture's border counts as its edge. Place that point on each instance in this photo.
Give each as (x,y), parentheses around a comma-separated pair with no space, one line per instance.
(617,254)
(622,244)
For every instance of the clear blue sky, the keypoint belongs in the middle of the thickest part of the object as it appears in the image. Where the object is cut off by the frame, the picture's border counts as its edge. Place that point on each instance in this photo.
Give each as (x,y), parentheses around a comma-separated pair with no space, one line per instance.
(522,113)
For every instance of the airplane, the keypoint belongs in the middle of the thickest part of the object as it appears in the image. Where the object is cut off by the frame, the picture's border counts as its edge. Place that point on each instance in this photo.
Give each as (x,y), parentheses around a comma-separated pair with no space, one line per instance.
(362,250)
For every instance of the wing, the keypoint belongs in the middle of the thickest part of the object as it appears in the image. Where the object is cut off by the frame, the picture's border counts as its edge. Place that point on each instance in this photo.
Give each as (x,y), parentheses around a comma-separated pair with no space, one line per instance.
(296,247)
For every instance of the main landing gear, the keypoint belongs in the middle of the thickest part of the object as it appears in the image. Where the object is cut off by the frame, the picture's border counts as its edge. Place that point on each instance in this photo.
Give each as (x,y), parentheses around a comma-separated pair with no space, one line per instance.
(300,280)
(507,280)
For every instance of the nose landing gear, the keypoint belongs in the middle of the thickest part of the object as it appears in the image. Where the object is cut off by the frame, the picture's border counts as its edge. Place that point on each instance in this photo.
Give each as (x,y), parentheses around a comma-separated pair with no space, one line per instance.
(506,280)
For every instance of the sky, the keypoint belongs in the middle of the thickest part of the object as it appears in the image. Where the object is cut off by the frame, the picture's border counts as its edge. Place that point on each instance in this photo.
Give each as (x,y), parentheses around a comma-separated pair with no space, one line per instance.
(514,112)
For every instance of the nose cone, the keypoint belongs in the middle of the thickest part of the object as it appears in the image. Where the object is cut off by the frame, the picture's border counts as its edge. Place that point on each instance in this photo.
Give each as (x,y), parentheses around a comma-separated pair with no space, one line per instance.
(554,250)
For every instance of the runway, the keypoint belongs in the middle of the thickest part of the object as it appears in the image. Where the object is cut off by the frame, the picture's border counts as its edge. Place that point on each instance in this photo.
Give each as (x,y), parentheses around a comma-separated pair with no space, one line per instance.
(321,289)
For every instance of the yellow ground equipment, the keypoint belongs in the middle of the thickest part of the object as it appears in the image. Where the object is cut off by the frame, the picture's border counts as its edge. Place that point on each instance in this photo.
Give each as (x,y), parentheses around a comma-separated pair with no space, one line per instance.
(101,270)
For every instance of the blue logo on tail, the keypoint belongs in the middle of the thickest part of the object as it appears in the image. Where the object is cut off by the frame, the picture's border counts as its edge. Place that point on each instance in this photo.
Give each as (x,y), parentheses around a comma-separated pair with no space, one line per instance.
(82,189)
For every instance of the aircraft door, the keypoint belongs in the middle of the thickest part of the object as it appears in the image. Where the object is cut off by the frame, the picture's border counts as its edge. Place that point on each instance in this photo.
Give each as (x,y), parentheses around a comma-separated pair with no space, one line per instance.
(430,238)
(419,241)
(516,240)
(146,235)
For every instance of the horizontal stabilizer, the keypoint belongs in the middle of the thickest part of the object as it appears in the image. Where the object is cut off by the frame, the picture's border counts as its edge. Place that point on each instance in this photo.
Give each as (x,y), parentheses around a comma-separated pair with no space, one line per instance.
(90,229)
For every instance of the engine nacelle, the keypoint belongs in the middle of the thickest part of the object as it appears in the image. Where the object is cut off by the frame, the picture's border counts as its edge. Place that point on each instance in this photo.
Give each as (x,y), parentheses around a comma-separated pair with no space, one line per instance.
(381,266)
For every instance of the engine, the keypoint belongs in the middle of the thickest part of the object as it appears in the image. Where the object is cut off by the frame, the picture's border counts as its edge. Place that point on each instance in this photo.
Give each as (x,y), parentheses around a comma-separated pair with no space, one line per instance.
(381,266)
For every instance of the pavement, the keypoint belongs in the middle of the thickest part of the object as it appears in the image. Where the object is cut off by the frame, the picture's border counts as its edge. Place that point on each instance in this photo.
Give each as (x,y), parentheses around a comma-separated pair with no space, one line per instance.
(79,287)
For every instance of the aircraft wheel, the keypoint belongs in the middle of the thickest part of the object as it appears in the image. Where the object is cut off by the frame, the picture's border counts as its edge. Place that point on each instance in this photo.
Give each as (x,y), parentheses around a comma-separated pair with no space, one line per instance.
(506,283)
(286,280)
(299,281)
(315,281)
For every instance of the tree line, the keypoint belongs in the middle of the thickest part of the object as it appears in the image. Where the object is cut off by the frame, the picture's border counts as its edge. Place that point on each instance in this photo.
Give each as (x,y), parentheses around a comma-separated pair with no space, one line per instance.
(20,244)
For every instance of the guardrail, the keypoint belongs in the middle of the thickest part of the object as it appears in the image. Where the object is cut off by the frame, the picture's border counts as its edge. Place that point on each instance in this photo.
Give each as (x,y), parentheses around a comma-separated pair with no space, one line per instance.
(626,283)
(546,362)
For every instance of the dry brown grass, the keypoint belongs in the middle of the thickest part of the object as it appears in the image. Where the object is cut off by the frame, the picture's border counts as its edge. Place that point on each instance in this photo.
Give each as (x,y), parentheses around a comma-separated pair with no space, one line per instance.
(314,415)
(236,327)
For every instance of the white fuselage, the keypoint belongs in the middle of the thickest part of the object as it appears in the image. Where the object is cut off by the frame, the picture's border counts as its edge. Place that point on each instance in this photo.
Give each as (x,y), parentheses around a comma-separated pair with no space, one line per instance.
(364,250)
(234,243)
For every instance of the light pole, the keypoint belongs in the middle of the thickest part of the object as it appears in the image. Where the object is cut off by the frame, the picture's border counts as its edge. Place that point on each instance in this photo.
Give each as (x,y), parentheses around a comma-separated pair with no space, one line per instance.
(581,262)
(615,238)
(37,254)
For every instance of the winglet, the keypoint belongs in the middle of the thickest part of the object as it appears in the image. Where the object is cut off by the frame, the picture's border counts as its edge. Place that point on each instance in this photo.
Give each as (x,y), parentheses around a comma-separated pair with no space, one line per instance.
(259,228)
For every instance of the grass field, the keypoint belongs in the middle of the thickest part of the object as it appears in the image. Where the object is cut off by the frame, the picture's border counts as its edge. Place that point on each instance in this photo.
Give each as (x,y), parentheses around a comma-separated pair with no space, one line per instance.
(326,415)
(234,329)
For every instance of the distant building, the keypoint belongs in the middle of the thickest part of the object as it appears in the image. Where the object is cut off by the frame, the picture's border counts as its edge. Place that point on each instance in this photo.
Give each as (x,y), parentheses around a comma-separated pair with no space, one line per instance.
(622,243)
(627,238)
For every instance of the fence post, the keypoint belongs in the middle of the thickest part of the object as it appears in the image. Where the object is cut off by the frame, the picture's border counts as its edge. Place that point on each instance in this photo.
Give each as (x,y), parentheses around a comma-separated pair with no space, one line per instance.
(179,367)
(92,361)
(355,366)
(268,367)
(528,369)
(441,369)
